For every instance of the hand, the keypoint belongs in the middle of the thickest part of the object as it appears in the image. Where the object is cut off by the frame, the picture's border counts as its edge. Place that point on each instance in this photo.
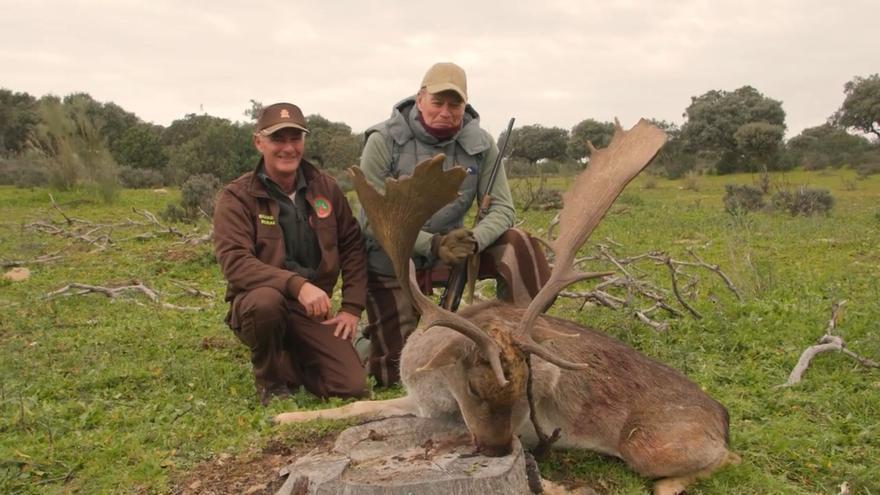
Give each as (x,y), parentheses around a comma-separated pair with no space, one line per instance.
(314,300)
(346,325)
(454,247)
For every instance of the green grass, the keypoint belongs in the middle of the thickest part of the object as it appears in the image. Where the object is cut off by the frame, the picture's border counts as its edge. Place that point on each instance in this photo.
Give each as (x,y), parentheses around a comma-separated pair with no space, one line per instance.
(103,395)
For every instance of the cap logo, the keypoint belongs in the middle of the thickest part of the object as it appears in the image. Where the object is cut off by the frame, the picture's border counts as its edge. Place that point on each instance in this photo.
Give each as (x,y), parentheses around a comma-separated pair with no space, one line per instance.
(285,114)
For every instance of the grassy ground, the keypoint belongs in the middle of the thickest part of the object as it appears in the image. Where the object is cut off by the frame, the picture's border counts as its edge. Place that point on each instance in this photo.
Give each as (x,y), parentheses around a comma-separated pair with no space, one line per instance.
(122,395)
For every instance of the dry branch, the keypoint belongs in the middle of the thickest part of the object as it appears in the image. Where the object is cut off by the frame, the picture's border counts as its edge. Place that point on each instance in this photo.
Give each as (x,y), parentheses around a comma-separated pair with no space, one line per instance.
(631,279)
(44,258)
(77,289)
(826,343)
(99,234)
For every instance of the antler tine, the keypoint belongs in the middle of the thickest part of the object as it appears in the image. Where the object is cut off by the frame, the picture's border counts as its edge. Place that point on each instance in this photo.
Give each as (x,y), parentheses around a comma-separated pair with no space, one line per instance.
(396,219)
(586,202)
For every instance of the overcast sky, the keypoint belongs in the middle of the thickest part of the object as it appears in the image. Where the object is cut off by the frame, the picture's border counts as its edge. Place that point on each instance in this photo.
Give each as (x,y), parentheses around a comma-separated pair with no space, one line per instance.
(551,62)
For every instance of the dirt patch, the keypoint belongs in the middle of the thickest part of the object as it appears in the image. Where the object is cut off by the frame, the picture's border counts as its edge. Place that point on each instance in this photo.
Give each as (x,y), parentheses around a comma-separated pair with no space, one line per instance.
(253,473)
(216,342)
(182,254)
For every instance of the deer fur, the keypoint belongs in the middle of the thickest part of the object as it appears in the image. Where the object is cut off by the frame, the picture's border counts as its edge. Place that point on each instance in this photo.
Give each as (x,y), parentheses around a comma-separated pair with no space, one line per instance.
(473,366)
(624,404)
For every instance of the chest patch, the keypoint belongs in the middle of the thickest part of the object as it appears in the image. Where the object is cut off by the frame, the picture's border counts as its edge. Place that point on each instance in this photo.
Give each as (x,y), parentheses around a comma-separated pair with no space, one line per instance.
(322,207)
(267,219)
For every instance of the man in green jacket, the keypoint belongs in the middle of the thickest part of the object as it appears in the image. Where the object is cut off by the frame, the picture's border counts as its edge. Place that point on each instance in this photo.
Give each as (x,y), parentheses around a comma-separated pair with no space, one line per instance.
(439,119)
(282,235)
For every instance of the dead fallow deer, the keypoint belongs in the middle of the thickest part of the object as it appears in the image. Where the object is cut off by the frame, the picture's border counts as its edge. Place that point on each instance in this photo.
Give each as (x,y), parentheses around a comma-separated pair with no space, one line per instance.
(506,370)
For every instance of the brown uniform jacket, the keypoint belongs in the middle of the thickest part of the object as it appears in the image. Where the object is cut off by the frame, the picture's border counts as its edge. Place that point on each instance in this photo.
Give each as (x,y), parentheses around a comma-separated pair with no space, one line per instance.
(249,243)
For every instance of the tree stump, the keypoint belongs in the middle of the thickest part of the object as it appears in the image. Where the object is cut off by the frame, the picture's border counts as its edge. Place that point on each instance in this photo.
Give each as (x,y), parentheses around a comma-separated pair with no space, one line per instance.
(403,456)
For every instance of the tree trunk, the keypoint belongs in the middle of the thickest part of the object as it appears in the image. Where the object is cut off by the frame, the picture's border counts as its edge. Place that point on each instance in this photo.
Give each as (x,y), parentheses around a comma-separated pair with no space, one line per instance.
(406,455)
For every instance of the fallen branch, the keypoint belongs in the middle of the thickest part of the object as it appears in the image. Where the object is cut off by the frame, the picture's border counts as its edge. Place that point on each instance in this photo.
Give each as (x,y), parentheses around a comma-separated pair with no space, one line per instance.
(99,234)
(632,280)
(45,258)
(77,289)
(826,343)
(194,291)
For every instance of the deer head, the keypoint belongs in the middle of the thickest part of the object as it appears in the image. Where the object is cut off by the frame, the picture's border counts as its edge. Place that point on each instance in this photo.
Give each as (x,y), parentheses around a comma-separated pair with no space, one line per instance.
(494,377)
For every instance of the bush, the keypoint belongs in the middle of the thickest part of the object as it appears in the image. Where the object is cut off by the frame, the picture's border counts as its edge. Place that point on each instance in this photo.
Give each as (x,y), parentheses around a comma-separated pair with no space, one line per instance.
(692,181)
(198,192)
(23,173)
(866,169)
(174,213)
(675,167)
(196,196)
(140,178)
(517,167)
(740,199)
(804,201)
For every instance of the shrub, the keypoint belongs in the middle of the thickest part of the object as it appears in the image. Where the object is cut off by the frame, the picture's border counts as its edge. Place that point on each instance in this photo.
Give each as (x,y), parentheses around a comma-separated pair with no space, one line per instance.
(866,169)
(140,178)
(740,199)
(803,201)
(174,213)
(196,196)
(198,192)
(692,181)
(23,173)
(517,167)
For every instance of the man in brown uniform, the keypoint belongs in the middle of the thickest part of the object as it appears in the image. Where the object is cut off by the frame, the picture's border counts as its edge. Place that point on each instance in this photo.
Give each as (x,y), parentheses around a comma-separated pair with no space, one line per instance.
(282,234)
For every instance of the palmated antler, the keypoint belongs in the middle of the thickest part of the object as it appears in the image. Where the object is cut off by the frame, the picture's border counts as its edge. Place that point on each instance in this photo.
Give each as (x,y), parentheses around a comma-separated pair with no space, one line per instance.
(584,204)
(396,219)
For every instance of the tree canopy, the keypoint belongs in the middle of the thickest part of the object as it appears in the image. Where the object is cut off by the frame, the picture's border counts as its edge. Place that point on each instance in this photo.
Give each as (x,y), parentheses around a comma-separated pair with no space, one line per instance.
(861,107)
(536,142)
(202,144)
(598,133)
(18,117)
(826,145)
(75,139)
(714,118)
(331,145)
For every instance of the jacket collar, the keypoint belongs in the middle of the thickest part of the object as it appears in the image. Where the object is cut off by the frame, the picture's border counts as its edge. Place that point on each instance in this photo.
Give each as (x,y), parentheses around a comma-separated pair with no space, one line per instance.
(255,186)
(403,126)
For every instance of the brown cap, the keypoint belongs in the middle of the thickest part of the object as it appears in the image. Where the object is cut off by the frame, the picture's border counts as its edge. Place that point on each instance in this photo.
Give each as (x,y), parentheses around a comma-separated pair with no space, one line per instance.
(445,76)
(279,116)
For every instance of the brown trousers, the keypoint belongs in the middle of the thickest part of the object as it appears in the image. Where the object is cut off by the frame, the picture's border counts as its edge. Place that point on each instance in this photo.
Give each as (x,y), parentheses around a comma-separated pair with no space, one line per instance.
(515,260)
(289,348)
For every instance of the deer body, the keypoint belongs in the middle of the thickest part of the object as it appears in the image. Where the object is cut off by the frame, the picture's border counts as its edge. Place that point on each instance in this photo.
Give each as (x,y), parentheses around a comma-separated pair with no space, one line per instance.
(624,404)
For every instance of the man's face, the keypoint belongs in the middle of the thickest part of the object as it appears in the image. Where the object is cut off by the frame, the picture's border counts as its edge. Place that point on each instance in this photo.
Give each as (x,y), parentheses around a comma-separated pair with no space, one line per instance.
(442,110)
(282,151)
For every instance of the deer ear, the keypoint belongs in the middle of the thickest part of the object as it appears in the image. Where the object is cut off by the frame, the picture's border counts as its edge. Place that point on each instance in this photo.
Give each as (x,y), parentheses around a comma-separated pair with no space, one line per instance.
(447,355)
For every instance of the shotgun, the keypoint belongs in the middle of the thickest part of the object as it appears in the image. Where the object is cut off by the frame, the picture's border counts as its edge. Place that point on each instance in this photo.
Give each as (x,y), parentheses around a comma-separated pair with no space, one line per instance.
(458,275)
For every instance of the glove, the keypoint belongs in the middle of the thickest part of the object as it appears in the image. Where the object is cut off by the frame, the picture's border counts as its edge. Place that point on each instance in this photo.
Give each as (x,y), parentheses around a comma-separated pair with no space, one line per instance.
(454,247)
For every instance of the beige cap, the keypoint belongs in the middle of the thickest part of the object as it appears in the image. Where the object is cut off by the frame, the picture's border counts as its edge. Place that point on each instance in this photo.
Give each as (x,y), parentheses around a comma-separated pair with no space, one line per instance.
(445,76)
(281,115)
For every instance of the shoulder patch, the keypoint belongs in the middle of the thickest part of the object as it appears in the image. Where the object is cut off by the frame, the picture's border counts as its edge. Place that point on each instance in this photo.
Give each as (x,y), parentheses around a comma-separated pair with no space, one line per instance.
(322,206)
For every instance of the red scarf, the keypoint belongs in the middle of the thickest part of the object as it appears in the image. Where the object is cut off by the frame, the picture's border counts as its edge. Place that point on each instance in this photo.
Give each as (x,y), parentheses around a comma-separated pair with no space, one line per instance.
(441,133)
